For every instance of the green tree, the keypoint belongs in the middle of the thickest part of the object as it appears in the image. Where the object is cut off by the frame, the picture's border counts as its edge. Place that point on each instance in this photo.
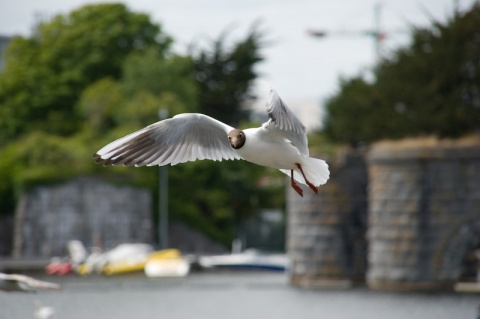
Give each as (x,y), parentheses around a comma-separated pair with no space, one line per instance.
(43,80)
(347,111)
(150,71)
(45,75)
(225,77)
(429,87)
(209,196)
(98,104)
(101,72)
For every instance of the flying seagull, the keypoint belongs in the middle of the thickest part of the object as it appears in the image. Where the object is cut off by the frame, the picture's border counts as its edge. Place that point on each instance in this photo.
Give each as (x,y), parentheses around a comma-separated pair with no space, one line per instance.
(14,282)
(281,143)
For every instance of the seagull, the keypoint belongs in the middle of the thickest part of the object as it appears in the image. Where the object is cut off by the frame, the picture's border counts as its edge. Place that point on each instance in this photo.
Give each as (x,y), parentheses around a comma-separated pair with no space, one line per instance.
(280,143)
(14,282)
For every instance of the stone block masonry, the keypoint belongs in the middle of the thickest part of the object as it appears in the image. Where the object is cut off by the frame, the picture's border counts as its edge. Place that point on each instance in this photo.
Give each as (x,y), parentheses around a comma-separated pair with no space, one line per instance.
(86,209)
(423,217)
(424,212)
(326,232)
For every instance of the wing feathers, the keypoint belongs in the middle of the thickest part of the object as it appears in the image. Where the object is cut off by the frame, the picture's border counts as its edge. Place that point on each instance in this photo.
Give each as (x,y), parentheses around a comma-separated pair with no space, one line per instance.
(284,121)
(185,137)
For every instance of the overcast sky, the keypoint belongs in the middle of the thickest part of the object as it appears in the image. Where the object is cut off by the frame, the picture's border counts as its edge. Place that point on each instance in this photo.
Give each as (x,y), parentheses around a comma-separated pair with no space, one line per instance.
(304,70)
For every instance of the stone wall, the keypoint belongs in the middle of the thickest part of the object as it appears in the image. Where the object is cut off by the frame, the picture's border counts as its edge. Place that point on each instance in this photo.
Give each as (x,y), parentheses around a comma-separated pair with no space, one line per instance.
(326,232)
(424,212)
(91,211)
(191,241)
(6,235)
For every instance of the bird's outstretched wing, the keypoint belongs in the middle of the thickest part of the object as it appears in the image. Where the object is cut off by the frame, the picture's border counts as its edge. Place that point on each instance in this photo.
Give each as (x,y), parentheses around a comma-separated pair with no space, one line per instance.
(183,138)
(283,120)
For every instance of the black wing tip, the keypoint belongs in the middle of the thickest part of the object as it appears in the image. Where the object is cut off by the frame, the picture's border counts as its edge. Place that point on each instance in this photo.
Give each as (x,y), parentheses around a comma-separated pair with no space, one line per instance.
(99,160)
(118,160)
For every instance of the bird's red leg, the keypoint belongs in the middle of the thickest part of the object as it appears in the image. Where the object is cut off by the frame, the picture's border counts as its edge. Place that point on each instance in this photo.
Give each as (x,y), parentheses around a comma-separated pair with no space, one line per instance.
(295,185)
(306,180)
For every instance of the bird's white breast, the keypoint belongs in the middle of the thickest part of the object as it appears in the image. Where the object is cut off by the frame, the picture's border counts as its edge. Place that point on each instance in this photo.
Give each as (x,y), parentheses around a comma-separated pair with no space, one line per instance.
(267,149)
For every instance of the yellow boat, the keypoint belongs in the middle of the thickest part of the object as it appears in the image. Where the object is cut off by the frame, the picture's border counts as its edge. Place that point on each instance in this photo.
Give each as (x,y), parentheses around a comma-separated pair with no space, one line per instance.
(133,258)
(168,262)
(123,267)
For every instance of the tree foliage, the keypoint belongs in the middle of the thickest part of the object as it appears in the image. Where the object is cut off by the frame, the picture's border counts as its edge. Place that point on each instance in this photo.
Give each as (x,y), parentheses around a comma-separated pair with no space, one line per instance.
(225,76)
(429,87)
(45,74)
(96,74)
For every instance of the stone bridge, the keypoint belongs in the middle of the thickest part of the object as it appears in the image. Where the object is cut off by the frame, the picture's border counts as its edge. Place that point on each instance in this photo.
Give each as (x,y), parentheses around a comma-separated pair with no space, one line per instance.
(409,229)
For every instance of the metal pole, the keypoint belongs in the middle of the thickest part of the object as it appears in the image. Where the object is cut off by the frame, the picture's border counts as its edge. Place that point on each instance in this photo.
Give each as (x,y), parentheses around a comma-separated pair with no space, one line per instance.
(163,198)
(378,31)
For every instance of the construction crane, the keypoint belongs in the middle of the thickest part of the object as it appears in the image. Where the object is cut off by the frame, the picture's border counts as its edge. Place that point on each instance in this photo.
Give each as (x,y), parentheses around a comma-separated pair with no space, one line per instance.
(376,33)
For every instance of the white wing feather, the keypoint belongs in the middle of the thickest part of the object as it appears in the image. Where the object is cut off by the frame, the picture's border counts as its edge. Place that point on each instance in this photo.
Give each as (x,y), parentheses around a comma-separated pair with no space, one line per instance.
(283,120)
(183,138)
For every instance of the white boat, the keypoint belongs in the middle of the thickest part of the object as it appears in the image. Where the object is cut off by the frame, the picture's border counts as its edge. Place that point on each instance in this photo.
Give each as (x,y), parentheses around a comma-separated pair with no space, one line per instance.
(167,263)
(249,259)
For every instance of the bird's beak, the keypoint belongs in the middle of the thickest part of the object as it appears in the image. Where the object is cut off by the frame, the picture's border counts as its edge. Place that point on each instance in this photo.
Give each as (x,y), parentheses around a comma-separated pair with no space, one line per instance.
(234,143)
(237,142)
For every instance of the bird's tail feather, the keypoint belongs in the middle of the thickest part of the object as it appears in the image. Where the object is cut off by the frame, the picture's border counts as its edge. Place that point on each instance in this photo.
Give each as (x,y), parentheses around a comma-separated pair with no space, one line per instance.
(316,171)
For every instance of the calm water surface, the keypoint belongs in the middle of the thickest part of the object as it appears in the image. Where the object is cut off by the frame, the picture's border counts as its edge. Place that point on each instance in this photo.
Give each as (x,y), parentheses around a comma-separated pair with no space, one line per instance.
(229,295)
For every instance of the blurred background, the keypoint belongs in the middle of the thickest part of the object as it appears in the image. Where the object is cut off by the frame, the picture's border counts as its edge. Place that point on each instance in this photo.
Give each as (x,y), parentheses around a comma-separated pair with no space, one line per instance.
(389,92)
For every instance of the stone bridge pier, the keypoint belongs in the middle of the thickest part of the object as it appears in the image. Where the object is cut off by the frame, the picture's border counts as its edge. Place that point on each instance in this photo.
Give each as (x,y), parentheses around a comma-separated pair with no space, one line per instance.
(409,229)
(424,212)
(326,232)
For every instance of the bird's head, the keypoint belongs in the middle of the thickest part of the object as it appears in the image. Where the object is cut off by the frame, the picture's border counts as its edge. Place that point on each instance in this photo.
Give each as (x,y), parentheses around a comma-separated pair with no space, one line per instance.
(236,138)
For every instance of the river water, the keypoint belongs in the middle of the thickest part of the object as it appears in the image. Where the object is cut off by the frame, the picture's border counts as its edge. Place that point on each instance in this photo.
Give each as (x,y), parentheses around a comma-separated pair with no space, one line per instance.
(228,295)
